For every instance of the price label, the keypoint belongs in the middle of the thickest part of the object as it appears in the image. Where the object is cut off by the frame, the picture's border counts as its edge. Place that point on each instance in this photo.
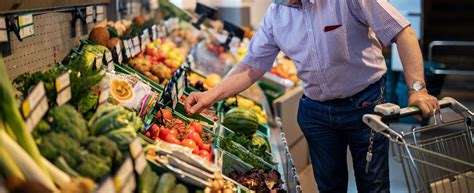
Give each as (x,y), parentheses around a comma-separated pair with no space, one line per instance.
(174,99)
(90,19)
(125,44)
(129,186)
(138,156)
(99,62)
(35,106)
(100,17)
(123,174)
(136,41)
(180,86)
(99,9)
(107,186)
(108,56)
(63,88)
(154,34)
(118,52)
(25,23)
(103,96)
(89,10)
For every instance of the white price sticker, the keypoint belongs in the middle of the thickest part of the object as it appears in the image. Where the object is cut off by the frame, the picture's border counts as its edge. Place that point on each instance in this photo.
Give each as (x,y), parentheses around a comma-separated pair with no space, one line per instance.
(123,174)
(180,84)
(108,56)
(64,96)
(99,17)
(98,62)
(63,88)
(107,186)
(99,9)
(27,31)
(89,19)
(136,41)
(118,51)
(129,186)
(35,106)
(154,34)
(103,96)
(89,10)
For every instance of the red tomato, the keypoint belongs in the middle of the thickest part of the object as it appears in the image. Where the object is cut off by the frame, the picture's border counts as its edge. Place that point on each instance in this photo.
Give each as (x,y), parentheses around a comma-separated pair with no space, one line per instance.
(171,138)
(191,144)
(147,133)
(206,146)
(167,114)
(205,154)
(165,131)
(193,135)
(154,129)
(197,127)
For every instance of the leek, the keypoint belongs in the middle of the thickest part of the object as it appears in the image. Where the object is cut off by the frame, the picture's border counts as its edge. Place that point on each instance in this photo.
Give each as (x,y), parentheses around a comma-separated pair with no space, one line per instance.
(10,113)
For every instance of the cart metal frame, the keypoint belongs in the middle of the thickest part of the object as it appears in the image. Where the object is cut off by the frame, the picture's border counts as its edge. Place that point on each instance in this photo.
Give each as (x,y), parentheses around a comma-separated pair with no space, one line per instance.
(432,162)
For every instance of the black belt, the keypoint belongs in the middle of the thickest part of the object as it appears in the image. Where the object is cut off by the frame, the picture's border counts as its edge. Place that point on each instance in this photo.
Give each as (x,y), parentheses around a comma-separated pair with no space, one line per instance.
(351,98)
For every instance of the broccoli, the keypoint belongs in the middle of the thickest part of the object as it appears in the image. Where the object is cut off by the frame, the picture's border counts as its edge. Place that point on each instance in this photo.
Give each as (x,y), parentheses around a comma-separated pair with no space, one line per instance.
(60,144)
(93,167)
(41,129)
(106,149)
(88,104)
(66,119)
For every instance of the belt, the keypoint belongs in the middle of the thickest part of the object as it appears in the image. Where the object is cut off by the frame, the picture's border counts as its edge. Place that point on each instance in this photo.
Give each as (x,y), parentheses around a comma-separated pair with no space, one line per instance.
(351,98)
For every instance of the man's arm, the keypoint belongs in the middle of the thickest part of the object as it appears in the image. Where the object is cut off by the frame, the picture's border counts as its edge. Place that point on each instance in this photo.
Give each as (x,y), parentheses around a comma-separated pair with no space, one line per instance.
(412,61)
(239,78)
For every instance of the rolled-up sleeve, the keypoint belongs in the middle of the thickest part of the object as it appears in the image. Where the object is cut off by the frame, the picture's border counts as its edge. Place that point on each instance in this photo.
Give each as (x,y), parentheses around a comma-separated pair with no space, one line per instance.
(381,17)
(262,49)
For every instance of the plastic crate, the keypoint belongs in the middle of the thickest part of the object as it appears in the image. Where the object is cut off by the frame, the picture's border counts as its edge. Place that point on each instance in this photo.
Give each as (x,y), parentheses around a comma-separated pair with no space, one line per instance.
(224,132)
(271,93)
(127,70)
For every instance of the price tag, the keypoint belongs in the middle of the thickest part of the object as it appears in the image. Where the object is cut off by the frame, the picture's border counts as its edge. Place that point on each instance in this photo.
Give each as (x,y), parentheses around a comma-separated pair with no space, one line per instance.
(154,34)
(63,88)
(89,10)
(118,52)
(107,186)
(129,186)
(99,17)
(103,96)
(108,56)
(174,99)
(35,106)
(136,41)
(90,19)
(98,62)
(123,174)
(25,23)
(138,155)
(99,9)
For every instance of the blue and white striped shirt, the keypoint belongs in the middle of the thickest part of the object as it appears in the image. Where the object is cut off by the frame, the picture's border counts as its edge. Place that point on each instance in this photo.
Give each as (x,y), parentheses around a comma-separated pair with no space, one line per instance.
(335,44)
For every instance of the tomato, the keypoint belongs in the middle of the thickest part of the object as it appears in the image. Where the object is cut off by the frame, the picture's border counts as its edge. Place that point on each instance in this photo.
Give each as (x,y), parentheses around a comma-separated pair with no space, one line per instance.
(154,129)
(193,135)
(147,133)
(197,127)
(167,114)
(164,132)
(206,146)
(191,144)
(171,138)
(205,154)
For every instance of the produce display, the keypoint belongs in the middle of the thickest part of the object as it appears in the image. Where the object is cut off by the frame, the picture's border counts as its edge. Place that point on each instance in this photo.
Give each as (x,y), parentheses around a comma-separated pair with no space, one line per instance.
(79,145)
(160,59)
(176,131)
(285,68)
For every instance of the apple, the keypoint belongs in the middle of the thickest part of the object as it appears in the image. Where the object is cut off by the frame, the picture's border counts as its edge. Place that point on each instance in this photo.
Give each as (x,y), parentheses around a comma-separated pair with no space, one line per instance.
(156,53)
(149,51)
(154,59)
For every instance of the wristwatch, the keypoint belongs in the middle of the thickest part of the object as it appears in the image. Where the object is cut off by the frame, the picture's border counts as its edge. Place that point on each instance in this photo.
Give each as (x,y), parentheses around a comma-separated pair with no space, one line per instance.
(417,86)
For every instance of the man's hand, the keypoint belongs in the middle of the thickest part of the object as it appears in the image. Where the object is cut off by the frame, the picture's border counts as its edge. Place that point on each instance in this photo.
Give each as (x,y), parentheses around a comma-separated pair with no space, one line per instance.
(198,101)
(425,102)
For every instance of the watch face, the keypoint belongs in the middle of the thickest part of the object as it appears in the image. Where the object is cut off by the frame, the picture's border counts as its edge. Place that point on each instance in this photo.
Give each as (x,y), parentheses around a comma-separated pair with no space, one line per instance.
(417,85)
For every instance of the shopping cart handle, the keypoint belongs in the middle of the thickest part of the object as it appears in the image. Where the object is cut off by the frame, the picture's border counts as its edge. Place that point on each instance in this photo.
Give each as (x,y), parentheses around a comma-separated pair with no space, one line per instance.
(391,112)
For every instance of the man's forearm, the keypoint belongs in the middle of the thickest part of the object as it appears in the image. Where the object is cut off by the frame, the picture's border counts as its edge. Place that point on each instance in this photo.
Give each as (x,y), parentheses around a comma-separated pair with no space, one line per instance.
(410,55)
(238,79)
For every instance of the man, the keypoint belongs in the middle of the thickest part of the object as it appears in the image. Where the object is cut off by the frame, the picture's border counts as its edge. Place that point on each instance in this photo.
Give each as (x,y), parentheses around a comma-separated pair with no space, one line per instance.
(336,47)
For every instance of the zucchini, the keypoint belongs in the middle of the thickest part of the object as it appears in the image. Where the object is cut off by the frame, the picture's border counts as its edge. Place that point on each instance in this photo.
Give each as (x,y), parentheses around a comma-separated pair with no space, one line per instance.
(147,181)
(166,184)
(180,188)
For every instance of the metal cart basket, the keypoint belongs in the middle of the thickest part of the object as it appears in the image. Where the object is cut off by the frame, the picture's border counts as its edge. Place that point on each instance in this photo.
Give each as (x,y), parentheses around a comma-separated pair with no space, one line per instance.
(438,158)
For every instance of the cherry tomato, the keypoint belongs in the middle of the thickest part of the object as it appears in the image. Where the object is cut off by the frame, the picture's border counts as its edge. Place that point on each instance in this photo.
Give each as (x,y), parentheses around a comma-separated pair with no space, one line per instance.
(197,127)
(154,129)
(193,135)
(191,144)
(206,146)
(167,114)
(171,138)
(147,133)
(164,132)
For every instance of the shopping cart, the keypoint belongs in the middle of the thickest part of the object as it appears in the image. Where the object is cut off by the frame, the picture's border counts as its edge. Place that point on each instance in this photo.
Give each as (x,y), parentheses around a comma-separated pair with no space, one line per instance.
(438,158)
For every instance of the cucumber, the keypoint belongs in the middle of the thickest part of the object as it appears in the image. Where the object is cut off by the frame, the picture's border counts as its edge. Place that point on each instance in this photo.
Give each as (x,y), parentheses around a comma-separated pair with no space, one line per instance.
(180,188)
(166,184)
(147,181)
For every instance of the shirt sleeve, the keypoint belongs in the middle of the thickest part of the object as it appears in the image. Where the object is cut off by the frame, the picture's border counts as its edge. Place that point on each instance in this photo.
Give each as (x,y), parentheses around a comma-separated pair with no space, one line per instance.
(262,49)
(381,17)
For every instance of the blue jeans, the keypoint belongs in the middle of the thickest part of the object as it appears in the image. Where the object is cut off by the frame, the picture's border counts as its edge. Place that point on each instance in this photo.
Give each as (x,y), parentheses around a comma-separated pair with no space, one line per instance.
(329,127)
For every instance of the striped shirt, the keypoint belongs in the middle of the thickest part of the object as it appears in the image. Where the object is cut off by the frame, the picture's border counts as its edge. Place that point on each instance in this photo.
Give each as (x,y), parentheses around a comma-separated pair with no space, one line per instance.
(335,44)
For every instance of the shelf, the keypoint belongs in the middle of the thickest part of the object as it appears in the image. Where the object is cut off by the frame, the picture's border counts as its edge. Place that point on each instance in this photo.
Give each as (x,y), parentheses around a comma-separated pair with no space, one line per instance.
(18,6)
